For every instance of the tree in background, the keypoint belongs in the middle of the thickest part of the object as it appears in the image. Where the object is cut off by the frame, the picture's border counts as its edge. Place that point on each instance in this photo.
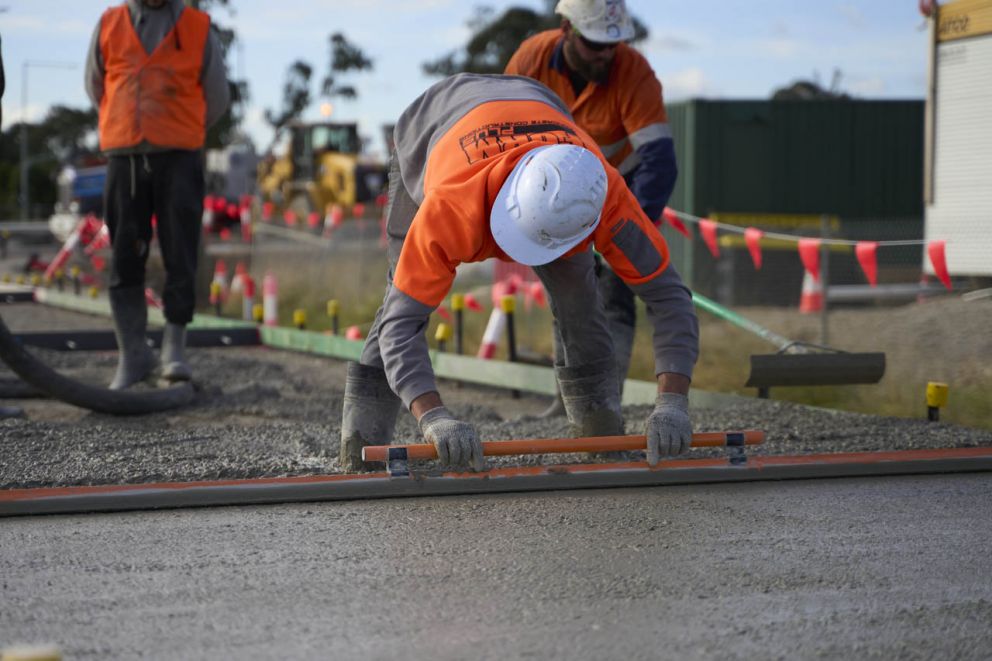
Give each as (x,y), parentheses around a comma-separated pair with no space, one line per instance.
(65,135)
(494,40)
(812,90)
(345,57)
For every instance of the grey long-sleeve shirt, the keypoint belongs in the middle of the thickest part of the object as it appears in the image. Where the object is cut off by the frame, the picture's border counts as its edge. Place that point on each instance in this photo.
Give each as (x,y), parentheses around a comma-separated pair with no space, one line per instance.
(152,26)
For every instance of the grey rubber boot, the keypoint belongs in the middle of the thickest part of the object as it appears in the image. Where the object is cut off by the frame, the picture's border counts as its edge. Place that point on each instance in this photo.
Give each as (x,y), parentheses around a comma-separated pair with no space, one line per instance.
(369,418)
(135,359)
(591,398)
(623,348)
(174,365)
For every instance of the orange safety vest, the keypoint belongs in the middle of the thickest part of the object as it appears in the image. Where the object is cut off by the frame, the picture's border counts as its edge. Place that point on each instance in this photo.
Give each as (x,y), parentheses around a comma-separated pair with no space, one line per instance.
(156,98)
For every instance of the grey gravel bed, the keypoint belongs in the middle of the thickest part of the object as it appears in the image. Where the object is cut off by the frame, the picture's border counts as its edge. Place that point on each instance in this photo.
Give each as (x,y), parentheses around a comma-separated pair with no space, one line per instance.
(262,413)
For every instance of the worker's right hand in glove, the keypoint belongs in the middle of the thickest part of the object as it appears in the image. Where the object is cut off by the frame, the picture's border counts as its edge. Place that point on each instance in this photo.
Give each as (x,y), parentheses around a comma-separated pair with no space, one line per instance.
(669,429)
(457,442)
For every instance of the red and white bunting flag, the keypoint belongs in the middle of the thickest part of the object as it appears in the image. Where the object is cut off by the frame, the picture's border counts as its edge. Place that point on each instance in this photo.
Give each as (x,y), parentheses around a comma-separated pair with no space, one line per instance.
(867,254)
(752,237)
(676,222)
(938,258)
(707,229)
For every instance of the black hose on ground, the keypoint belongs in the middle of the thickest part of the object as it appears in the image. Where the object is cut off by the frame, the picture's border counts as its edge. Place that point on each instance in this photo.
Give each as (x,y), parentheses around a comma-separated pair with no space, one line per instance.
(103,400)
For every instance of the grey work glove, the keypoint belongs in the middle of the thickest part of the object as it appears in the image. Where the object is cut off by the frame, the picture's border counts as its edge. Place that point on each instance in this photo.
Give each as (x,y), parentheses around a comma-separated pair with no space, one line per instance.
(457,442)
(669,429)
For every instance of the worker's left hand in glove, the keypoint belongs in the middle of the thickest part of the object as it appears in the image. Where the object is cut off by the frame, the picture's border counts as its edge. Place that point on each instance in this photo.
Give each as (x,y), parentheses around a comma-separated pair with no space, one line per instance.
(457,442)
(669,429)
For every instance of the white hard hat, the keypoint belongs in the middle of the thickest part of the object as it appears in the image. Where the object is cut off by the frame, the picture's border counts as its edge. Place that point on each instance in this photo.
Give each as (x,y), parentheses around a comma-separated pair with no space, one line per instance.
(551,201)
(605,21)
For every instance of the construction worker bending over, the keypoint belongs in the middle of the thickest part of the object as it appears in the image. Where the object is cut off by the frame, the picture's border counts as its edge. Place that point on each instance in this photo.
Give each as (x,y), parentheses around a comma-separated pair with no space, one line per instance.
(156,73)
(495,166)
(615,97)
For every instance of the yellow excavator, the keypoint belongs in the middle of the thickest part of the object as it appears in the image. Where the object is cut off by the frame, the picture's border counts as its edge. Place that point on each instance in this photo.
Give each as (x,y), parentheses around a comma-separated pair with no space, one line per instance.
(322,165)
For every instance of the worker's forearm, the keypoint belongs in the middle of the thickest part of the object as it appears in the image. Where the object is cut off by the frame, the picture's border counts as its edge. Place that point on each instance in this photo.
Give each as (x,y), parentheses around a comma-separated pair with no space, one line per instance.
(403,346)
(424,403)
(672,382)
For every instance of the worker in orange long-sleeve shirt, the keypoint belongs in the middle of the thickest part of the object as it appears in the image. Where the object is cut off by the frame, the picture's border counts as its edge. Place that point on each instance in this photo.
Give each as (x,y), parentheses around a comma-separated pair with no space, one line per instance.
(494,166)
(615,97)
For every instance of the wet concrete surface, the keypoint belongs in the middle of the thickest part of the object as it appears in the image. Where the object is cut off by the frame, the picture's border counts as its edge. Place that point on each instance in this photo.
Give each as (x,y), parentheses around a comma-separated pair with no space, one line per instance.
(854,568)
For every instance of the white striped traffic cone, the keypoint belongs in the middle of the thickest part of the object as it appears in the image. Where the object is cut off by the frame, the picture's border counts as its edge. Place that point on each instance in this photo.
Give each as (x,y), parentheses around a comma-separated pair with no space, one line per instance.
(493,333)
(811,299)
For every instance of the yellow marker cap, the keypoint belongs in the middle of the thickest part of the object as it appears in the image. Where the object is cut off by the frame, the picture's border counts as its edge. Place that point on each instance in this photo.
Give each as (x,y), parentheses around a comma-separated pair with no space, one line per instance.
(94,292)
(299,317)
(332,307)
(508,304)
(6,277)
(937,394)
(258,312)
(35,279)
(31,653)
(19,279)
(457,301)
(443,332)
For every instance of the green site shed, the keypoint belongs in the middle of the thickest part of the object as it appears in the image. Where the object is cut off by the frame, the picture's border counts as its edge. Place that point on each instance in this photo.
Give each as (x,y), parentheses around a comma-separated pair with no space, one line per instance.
(850,166)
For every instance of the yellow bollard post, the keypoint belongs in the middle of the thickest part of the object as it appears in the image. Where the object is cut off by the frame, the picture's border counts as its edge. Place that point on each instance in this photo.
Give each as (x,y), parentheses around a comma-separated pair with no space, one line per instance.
(458,306)
(508,304)
(300,318)
(94,292)
(216,297)
(936,399)
(442,335)
(332,311)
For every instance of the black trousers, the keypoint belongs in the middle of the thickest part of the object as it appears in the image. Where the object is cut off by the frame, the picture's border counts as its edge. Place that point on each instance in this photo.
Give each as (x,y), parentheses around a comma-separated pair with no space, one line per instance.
(169,185)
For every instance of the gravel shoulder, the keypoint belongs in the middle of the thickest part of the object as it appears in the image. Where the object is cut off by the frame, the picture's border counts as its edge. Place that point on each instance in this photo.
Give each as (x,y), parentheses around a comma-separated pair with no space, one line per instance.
(263,412)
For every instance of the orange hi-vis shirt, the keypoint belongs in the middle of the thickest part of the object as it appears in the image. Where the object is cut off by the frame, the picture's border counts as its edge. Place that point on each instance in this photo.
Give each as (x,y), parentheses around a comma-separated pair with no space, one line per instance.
(465,170)
(155,98)
(620,116)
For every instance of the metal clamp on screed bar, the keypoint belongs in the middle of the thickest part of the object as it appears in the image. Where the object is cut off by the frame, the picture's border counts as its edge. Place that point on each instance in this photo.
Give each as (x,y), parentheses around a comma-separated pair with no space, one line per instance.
(398,462)
(736,441)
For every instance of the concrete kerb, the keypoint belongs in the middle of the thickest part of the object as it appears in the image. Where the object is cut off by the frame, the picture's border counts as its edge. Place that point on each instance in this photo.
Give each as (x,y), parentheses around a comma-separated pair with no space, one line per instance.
(467,369)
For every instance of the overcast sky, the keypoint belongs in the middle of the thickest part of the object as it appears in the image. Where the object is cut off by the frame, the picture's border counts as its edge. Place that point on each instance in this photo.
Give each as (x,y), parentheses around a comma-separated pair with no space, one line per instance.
(699,48)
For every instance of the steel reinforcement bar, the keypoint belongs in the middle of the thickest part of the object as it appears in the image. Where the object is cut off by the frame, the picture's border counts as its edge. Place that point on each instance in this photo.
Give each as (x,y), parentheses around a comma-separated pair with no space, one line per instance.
(117,498)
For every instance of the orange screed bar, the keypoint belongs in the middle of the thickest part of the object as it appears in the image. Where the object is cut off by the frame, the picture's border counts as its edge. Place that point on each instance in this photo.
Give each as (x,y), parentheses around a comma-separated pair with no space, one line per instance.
(716,439)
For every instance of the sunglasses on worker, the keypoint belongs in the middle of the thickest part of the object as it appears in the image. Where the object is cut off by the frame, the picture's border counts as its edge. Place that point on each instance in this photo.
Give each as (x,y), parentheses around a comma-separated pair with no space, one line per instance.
(595,46)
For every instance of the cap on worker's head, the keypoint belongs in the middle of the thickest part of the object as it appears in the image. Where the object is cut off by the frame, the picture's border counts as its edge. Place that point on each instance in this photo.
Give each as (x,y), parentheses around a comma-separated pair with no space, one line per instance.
(603,21)
(551,201)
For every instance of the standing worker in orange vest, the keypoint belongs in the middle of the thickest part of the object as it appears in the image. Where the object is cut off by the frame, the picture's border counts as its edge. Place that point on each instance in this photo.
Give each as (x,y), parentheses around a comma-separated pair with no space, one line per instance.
(156,73)
(494,166)
(614,96)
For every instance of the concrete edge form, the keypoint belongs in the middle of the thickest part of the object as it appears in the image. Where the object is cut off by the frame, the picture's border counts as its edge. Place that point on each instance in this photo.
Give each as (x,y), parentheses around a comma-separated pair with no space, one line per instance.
(119,498)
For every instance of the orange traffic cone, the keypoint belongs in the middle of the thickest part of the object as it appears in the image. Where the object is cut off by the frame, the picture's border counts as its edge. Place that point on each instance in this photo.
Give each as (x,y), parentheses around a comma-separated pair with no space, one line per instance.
(811,299)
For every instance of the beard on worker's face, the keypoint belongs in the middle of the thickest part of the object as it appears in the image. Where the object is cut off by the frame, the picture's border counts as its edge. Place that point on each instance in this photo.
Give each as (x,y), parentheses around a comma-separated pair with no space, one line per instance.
(595,71)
